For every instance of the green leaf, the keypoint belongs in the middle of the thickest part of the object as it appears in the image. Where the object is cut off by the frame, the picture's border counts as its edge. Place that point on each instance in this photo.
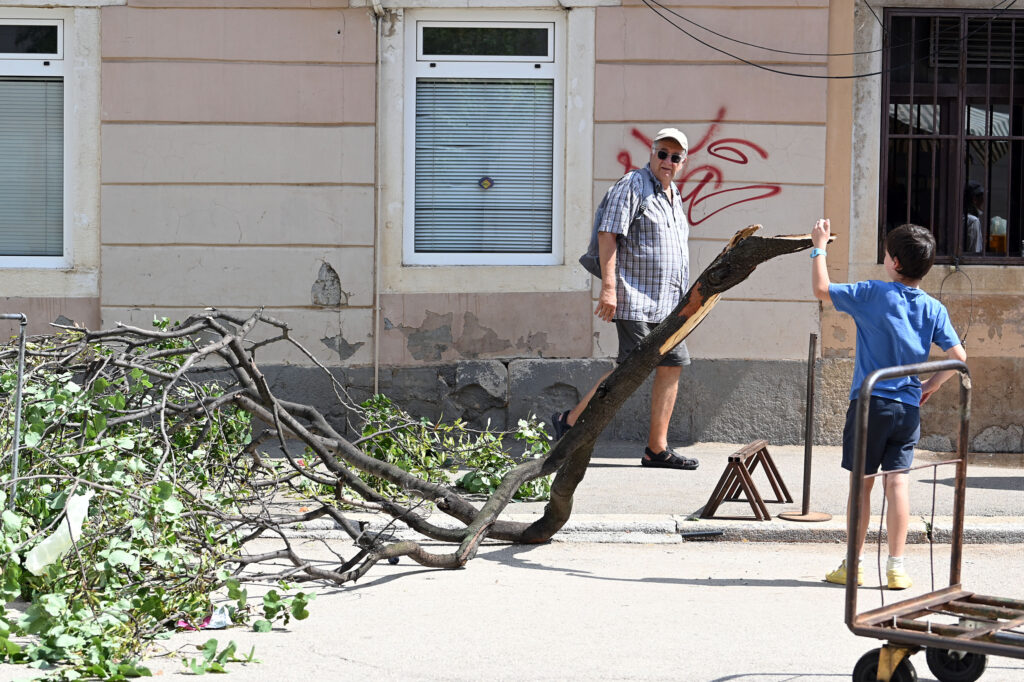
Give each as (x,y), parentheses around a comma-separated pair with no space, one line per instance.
(119,557)
(12,522)
(8,648)
(299,604)
(32,439)
(164,490)
(173,506)
(262,625)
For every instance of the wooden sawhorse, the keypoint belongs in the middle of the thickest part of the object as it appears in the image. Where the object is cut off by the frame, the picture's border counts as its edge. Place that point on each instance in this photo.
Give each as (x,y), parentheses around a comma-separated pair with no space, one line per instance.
(737,478)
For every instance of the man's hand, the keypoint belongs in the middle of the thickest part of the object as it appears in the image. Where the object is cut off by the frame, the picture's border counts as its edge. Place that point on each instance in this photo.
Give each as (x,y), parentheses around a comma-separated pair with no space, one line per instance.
(606,304)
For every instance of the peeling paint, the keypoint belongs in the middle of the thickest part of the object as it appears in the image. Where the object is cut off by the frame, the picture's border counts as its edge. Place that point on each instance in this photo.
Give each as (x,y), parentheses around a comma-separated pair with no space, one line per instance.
(326,290)
(477,339)
(431,339)
(343,348)
(534,344)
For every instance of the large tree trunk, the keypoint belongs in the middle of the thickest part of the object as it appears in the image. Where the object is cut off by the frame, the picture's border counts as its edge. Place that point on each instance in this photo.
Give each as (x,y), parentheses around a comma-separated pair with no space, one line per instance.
(571,455)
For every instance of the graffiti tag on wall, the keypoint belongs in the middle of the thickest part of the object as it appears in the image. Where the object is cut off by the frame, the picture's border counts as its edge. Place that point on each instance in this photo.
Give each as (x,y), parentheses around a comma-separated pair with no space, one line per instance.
(701,186)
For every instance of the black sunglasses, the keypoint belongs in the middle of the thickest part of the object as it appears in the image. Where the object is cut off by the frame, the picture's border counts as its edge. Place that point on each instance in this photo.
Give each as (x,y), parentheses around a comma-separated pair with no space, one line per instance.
(676,158)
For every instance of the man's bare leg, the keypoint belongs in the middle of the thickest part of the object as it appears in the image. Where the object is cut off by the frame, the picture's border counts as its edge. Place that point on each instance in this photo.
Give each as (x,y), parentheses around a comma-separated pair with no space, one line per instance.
(663,401)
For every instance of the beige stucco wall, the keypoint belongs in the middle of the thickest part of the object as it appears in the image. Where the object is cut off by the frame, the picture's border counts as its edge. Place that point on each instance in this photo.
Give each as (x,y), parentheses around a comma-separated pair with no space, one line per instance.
(757,150)
(237,166)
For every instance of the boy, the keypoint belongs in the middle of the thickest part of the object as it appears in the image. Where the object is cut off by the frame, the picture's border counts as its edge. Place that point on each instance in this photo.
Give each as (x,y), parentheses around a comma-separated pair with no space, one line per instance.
(896,325)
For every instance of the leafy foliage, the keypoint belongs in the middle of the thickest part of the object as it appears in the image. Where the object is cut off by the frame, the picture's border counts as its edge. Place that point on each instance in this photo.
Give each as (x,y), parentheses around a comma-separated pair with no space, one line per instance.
(156,543)
(437,451)
(152,429)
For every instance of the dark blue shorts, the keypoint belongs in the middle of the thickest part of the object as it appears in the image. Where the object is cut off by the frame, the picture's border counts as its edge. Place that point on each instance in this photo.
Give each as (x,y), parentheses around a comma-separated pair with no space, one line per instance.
(632,332)
(893,430)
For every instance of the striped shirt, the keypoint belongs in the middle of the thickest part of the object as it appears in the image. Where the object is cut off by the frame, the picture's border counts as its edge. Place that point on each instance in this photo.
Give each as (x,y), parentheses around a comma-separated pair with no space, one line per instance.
(652,263)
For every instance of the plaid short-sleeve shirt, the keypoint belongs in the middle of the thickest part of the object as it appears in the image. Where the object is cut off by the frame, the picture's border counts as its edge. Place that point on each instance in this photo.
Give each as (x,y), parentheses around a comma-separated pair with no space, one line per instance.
(652,263)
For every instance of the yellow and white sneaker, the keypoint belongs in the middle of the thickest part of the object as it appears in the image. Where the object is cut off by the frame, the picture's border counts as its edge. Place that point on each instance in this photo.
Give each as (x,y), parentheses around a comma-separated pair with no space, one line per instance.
(898,579)
(838,576)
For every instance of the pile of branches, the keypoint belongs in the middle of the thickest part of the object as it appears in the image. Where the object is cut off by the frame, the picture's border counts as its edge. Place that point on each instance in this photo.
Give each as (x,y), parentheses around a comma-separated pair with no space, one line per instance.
(157,425)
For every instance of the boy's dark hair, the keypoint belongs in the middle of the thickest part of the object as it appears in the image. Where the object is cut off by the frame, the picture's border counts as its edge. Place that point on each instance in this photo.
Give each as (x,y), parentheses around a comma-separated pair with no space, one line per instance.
(914,247)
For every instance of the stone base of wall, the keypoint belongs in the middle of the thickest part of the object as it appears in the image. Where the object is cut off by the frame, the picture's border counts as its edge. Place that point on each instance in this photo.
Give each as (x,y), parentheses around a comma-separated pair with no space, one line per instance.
(733,401)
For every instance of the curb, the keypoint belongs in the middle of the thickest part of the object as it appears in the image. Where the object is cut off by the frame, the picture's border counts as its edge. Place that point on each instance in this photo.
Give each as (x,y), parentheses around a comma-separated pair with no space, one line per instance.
(676,529)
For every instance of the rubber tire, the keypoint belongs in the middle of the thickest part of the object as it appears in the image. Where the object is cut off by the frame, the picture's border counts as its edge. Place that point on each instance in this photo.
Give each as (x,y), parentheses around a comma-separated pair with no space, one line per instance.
(866,669)
(949,668)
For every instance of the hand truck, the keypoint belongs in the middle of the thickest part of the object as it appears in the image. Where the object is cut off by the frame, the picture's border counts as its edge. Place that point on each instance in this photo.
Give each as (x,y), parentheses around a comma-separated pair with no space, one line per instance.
(982,625)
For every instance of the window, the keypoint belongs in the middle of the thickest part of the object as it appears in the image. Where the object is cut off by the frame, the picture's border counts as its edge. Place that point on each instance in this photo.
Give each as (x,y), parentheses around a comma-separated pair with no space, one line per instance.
(953,131)
(483,170)
(32,142)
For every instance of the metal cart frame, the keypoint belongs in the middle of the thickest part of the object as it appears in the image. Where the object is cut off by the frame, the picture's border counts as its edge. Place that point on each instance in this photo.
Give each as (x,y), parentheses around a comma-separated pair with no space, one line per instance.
(956,652)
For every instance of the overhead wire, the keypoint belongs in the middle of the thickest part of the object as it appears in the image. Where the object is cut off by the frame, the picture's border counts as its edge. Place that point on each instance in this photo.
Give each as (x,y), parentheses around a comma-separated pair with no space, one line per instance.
(652,3)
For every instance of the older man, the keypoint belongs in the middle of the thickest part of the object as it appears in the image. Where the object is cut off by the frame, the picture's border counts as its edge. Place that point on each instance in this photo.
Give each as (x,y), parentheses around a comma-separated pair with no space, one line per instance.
(645,271)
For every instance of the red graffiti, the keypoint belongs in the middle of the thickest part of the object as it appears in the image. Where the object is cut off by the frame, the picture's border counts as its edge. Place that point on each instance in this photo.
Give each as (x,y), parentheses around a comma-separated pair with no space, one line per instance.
(701,186)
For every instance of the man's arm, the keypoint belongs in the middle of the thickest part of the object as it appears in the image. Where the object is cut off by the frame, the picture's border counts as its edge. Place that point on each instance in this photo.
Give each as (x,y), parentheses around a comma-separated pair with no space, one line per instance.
(607,244)
(932,383)
(819,269)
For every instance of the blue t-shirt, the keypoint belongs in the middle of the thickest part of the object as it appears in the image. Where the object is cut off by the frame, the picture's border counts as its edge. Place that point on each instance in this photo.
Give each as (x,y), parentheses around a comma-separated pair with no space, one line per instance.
(896,325)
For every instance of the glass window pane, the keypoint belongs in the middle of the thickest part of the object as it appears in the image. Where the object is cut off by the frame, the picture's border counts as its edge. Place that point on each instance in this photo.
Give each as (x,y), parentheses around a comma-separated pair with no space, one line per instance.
(1004,202)
(31,167)
(484,165)
(485,41)
(18,39)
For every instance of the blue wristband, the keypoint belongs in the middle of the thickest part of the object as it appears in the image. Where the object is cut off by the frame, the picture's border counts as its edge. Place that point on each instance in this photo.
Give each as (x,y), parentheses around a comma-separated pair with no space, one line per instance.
(815,252)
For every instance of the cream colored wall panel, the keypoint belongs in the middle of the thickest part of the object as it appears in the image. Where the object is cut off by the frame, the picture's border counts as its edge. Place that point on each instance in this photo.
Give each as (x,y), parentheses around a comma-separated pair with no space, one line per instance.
(634,92)
(639,34)
(243,4)
(236,92)
(237,154)
(805,4)
(233,214)
(717,213)
(334,337)
(212,33)
(754,329)
(785,278)
(770,154)
(430,328)
(235,276)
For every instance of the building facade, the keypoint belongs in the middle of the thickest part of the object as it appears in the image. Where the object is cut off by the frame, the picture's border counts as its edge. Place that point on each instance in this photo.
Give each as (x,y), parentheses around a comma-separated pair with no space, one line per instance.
(409,183)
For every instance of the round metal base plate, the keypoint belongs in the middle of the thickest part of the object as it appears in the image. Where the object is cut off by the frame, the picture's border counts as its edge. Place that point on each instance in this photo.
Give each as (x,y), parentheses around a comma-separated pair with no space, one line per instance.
(809,516)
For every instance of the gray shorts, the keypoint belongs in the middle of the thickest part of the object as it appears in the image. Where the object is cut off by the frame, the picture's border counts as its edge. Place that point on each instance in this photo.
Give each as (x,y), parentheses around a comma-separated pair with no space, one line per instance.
(632,332)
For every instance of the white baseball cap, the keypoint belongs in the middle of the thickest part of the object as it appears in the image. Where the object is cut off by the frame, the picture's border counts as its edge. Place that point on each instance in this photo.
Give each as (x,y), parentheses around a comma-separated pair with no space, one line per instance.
(672,134)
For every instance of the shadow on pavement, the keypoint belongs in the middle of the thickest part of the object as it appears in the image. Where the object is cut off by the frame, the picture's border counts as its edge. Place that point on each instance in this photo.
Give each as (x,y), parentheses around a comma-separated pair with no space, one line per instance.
(985,482)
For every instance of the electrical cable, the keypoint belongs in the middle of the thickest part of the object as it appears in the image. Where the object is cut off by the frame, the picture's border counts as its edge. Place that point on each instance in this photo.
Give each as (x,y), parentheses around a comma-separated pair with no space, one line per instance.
(651,5)
(970,298)
(994,8)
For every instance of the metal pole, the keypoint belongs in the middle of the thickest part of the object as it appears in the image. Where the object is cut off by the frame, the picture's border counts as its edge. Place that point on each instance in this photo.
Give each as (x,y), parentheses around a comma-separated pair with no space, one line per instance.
(15,447)
(805,513)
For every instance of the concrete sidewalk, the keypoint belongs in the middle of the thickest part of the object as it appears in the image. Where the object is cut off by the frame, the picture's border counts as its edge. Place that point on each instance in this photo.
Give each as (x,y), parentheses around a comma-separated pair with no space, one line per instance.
(620,501)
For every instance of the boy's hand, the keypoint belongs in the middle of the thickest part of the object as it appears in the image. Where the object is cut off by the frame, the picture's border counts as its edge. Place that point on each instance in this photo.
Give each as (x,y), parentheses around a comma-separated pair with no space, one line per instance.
(821,233)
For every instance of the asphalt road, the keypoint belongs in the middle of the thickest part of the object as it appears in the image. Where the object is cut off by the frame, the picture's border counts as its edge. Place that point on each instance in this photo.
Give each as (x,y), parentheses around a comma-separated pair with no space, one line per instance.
(696,611)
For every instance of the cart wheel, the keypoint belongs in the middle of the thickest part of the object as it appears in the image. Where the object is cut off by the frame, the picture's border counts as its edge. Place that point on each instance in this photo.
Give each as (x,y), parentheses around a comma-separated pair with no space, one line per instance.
(954,666)
(866,669)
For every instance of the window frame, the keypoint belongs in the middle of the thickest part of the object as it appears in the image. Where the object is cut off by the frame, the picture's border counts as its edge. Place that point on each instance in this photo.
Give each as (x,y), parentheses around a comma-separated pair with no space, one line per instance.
(482,66)
(49,66)
(960,138)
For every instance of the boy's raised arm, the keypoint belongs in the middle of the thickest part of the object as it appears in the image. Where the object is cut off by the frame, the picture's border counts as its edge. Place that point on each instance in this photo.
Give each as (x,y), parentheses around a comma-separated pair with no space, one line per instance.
(819,269)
